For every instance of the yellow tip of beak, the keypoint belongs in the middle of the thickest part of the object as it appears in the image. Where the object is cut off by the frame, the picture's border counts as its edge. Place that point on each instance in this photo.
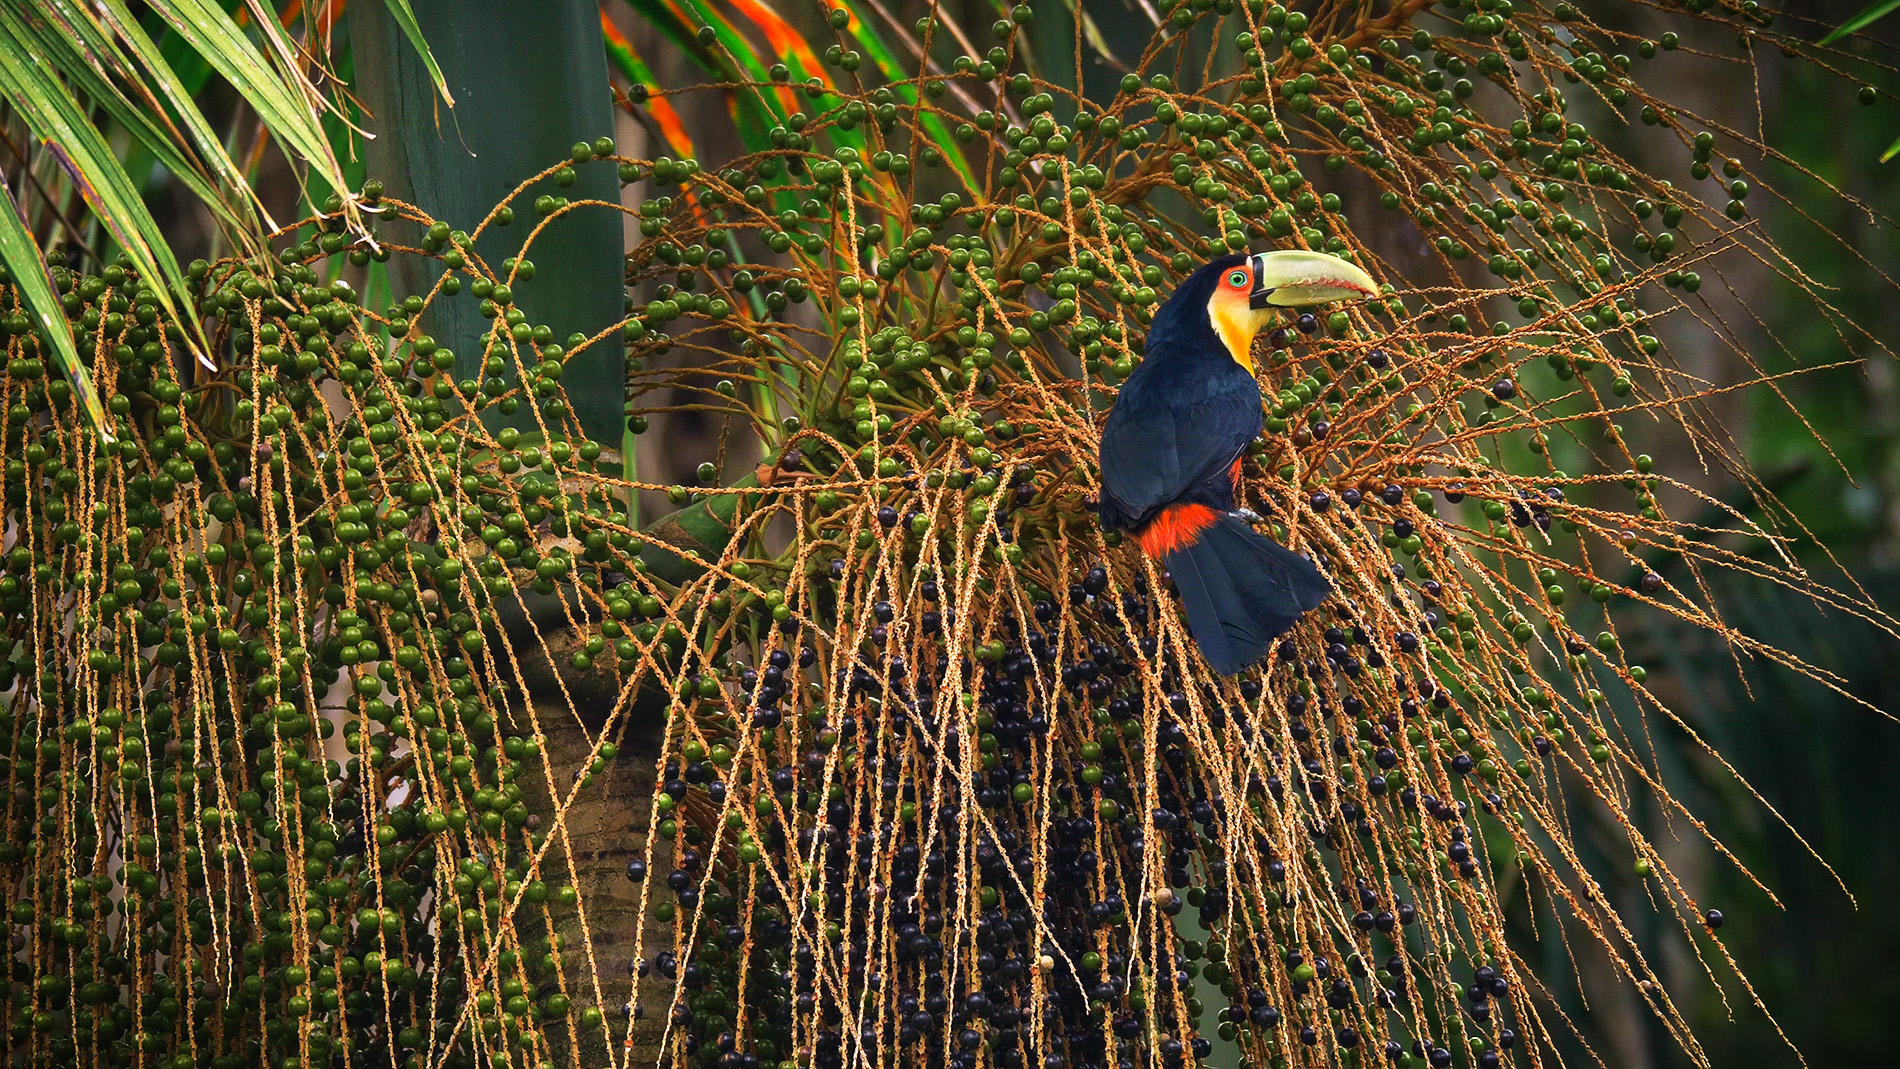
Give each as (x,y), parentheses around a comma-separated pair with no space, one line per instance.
(1295,277)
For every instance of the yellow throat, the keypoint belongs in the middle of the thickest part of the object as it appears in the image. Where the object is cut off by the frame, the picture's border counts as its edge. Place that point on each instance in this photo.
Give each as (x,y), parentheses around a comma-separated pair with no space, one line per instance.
(1237,324)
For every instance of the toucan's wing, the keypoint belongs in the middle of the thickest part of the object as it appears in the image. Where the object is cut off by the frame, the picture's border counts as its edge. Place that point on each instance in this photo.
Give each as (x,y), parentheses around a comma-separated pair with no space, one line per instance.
(1155,451)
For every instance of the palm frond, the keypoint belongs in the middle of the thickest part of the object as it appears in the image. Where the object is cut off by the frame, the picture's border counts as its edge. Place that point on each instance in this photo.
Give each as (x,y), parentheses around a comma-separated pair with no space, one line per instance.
(59,121)
(99,71)
(40,296)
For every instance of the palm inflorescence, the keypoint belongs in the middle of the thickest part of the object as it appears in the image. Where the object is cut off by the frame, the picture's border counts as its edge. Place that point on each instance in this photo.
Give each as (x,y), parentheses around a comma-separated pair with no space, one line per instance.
(348,726)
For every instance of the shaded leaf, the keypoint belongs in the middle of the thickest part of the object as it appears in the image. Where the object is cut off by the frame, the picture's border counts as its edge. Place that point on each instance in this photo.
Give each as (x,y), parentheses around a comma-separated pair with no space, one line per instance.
(1093,33)
(531,81)
(702,529)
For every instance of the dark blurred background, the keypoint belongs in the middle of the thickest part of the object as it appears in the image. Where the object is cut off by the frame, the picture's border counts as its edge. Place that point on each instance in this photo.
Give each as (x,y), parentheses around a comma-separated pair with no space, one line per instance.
(1822,961)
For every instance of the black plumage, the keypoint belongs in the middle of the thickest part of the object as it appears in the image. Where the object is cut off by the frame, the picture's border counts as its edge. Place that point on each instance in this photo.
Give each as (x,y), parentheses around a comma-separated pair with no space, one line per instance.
(1170,455)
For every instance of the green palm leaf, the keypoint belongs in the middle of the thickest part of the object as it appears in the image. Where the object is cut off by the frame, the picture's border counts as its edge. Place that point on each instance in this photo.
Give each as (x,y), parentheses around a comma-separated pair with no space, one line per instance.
(283,97)
(75,48)
(41,300)
(1866,17)
(405,18)
(905,87)
(122,70)
(59,121)
(95,70)
(758,112)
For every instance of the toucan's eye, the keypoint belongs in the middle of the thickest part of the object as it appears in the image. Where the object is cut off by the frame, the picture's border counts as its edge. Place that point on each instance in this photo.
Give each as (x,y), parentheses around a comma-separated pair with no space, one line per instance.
(1238,279)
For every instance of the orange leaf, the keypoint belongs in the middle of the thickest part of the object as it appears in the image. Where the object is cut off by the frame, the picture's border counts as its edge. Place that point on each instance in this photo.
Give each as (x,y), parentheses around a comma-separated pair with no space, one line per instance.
(662,112)
(779,33)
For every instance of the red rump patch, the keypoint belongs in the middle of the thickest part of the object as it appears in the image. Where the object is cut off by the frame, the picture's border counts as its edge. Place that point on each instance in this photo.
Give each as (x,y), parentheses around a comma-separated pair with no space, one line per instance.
(1233,475)
(1175,527)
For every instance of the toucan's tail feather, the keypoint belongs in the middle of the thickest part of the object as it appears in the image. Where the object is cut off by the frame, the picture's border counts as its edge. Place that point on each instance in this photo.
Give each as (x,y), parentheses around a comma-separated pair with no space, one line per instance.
(1241,591)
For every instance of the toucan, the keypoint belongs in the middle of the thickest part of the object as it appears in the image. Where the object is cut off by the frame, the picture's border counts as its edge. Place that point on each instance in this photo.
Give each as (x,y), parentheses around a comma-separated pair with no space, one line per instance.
(1173,443)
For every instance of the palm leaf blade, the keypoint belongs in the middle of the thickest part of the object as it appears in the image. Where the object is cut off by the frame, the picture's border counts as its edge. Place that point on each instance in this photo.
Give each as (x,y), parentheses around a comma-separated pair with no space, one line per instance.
(621,53)
(756,112)
(405,18)
(906,89)
(58,120)
(177,94)
(81,51)
(1866,17)
(22,256)
(285,108)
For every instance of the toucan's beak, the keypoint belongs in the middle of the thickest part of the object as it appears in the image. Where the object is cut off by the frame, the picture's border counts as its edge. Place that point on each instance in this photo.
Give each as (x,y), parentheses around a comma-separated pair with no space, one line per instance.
(1289,278)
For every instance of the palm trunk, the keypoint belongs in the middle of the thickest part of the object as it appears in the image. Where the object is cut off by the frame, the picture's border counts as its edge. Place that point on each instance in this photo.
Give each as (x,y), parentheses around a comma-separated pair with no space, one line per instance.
(529,82)
(605,828)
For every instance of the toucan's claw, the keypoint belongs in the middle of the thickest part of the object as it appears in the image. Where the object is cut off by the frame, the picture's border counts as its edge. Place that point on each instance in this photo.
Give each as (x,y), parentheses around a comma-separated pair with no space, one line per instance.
(1247,515)
(1289,278)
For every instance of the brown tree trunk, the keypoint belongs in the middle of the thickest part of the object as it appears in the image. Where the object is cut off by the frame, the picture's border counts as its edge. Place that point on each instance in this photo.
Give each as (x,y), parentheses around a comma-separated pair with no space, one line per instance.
(605,828)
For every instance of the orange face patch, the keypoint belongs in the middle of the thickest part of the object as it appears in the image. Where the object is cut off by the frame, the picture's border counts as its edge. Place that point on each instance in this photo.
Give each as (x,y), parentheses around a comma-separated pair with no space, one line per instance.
(1230,315)
(1175,527)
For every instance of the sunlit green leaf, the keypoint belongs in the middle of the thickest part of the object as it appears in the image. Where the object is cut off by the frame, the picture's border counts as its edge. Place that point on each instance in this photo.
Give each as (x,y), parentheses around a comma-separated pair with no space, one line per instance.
(61,124)
(406,20)
(66,38)
(283,98)
(27,266)
(1867,16)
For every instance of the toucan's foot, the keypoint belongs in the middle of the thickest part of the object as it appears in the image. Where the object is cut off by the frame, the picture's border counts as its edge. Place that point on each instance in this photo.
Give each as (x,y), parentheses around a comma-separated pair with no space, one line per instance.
(1248,515)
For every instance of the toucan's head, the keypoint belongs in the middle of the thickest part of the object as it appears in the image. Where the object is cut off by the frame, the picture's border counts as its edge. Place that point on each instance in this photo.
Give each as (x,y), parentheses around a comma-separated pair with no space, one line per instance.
(1232,298)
